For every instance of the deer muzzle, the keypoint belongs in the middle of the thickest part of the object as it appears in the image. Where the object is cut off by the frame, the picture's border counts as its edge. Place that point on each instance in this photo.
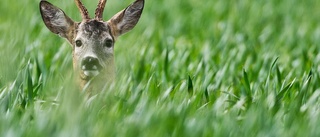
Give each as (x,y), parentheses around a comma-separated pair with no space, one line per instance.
(90,66)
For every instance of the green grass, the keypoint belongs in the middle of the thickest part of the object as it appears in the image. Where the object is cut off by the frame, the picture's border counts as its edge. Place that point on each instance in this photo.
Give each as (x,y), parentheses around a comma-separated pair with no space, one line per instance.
(189,68)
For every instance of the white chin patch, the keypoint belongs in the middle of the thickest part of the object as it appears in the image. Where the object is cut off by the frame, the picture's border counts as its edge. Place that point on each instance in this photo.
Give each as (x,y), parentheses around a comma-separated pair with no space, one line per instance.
(91,73)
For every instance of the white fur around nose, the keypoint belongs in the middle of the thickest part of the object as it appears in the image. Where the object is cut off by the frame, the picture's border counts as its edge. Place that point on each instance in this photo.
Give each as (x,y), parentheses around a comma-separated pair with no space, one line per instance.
(85,68)
(91,73)
(94,70)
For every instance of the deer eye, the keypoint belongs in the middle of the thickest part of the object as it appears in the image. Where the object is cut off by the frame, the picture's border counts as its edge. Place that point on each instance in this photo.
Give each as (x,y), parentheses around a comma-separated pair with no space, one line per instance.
(108,43)
(78,43)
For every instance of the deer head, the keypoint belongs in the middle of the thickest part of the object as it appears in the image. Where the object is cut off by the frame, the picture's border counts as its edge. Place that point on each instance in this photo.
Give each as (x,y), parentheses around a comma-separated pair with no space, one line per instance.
(92,40)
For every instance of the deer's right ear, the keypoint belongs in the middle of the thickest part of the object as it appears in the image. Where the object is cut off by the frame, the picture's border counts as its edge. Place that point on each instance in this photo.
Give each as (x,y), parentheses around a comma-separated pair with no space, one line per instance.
(126,19)
(55,19)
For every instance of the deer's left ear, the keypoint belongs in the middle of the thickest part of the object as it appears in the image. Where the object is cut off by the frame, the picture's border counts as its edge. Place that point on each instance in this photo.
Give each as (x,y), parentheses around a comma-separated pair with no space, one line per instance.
(126,19)
(55,19)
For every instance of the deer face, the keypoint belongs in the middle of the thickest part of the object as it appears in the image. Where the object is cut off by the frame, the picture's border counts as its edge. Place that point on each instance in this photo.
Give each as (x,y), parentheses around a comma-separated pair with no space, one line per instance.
(92,40)
(93,46)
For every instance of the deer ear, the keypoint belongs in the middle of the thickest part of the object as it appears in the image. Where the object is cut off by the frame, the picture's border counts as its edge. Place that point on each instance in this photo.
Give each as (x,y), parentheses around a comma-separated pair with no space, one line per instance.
(126,19)
(55,19)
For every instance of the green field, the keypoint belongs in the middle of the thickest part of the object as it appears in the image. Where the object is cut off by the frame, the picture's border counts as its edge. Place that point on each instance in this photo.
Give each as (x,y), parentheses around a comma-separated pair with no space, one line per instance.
(189,68)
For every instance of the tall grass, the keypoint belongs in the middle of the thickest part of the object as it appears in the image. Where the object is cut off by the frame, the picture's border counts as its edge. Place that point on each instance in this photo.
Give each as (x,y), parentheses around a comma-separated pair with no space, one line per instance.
(189,68)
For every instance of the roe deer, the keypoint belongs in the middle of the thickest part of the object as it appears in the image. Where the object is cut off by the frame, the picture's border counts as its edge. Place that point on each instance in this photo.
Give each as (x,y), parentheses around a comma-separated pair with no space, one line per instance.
(92,40)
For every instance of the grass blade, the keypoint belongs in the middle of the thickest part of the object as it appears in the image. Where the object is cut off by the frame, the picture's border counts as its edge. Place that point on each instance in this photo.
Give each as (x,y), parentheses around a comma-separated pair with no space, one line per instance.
(190,86)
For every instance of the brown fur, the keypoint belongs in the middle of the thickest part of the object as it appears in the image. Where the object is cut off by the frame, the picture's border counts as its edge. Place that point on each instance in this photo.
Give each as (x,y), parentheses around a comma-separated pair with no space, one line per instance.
(95,38)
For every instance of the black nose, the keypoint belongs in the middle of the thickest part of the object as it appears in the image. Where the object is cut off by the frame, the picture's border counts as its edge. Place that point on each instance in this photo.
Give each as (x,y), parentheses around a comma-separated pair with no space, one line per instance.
(90,63)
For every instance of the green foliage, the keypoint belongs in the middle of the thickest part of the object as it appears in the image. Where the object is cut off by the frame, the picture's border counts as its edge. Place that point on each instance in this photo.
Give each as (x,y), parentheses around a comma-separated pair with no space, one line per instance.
(189,68)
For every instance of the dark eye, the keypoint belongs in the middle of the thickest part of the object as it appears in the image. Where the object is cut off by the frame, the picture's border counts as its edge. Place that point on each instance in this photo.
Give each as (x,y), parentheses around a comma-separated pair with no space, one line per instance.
(78,43)
(108,43)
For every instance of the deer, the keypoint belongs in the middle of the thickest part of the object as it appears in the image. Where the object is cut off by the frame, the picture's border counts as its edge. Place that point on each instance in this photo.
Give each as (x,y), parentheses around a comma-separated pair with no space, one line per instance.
(92,39)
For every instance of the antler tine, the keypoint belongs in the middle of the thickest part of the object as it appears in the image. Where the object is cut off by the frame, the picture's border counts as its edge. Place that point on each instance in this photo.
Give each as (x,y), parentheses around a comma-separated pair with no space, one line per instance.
(83,10)
(100,8)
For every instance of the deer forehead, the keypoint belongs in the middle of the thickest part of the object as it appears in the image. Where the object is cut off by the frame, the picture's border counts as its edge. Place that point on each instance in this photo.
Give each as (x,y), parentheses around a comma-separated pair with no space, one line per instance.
(93,31)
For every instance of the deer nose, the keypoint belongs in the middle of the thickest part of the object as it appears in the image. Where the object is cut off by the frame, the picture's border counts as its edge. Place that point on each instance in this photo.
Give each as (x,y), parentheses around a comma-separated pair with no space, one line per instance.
(90,63)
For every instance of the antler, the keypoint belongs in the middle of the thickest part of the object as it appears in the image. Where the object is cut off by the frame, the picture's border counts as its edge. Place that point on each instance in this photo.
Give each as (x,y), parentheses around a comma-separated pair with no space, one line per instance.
(83,10)
(99,10)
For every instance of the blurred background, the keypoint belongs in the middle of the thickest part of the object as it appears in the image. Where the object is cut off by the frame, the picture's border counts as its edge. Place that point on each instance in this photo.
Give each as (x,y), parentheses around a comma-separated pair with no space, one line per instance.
(241,60)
